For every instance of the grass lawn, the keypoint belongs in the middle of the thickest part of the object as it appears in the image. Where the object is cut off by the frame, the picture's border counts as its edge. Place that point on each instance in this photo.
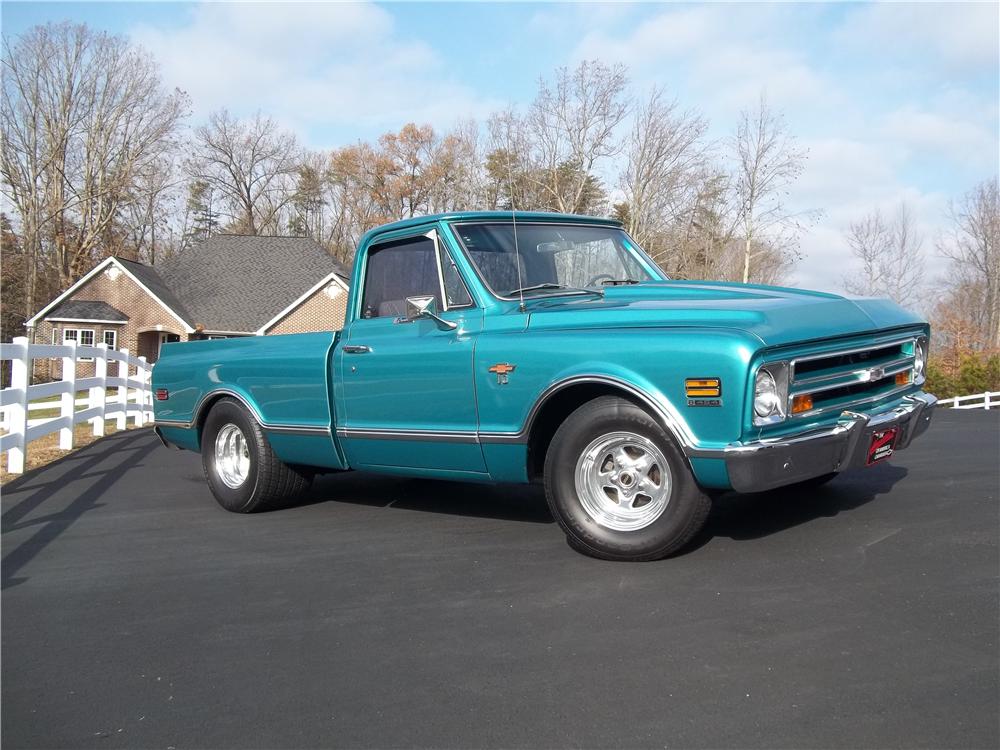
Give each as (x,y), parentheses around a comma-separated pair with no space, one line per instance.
(54,400)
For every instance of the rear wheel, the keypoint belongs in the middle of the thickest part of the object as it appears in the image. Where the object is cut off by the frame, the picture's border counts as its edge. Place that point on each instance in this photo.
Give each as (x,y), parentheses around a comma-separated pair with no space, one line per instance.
(618,485)
(242,471)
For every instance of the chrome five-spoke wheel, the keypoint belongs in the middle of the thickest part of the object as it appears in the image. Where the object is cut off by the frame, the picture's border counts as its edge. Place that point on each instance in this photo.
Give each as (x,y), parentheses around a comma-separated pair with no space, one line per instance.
(623,481)
(232,456)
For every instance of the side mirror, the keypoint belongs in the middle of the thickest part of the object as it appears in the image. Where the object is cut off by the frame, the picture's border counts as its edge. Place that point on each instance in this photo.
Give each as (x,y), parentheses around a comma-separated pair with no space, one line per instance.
(426,307)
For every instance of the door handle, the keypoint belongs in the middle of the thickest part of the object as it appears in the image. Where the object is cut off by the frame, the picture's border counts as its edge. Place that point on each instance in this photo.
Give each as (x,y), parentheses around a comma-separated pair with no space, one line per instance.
(356,349)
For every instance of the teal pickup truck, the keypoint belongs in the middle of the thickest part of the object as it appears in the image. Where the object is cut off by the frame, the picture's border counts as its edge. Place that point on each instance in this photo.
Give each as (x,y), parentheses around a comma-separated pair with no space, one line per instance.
(532,347)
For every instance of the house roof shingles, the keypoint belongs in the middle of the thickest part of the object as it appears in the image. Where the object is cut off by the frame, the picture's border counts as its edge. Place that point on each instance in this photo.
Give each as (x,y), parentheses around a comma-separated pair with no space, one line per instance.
(86,310)
(149,277)
(237,283)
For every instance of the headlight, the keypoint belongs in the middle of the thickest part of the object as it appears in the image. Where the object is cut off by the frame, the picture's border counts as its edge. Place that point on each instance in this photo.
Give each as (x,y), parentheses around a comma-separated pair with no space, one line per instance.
(770,394)
(919,360)
(766,402)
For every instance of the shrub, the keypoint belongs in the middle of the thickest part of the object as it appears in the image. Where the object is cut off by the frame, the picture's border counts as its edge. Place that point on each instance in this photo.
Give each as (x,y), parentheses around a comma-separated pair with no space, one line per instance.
(976,372)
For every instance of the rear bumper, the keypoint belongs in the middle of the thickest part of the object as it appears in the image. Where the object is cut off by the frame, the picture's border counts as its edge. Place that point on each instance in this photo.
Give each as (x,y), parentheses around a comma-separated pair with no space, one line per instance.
(766,464)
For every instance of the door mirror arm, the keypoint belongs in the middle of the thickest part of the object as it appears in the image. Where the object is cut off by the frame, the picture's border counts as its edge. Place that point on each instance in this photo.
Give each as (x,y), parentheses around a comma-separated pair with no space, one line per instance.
(425,307)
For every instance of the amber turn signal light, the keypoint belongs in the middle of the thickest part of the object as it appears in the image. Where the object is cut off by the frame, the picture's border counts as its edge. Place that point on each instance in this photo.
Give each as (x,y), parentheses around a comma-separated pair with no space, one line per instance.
(903,378)
(802,403)
(703,387)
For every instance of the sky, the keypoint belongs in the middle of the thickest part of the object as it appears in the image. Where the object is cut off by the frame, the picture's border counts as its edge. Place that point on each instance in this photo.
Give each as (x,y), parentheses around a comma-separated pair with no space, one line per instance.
(893,102)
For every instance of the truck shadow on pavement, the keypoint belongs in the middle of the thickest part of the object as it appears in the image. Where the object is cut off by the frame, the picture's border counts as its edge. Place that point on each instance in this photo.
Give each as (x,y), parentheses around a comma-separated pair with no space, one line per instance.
(94,469)
(748,517)
(504,502)
(734,516)
(53,498)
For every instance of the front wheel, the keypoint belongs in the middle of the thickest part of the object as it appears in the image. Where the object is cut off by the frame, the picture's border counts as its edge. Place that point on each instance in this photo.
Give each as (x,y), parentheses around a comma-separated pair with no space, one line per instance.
(618,485)
(242,471)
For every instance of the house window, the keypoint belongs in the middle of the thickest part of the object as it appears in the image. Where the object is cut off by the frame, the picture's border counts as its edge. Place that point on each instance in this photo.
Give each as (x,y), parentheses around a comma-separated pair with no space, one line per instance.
(82,337)
(111,339)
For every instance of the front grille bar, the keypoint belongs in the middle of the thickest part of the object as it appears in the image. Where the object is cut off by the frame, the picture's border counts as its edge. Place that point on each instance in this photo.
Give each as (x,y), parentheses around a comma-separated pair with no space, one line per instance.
(856,376)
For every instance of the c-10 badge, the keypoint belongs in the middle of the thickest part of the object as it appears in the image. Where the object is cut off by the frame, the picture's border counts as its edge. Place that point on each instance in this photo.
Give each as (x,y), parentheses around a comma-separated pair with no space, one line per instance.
(502,370)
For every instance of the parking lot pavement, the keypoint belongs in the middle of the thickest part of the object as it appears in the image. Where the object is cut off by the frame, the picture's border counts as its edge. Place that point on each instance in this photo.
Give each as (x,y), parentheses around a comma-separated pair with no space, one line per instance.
(388,612)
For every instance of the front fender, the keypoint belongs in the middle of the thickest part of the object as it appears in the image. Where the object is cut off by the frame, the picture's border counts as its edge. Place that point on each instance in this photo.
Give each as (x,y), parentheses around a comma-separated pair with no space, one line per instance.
(651,363)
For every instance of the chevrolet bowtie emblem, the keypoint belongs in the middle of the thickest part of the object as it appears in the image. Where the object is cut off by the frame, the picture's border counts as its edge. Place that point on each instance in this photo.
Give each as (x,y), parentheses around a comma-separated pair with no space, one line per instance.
(501,370)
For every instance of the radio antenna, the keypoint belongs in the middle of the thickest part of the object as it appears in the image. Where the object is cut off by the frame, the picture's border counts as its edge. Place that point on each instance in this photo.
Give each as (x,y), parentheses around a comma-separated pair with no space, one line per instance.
(513,219)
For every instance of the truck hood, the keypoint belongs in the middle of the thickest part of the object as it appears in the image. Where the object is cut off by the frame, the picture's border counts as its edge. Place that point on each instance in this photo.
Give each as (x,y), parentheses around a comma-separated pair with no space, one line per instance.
(776,315)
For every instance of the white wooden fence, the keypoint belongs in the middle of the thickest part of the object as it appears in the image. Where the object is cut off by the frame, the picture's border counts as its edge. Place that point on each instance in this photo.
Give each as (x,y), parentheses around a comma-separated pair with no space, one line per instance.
(132,397)
(987,400)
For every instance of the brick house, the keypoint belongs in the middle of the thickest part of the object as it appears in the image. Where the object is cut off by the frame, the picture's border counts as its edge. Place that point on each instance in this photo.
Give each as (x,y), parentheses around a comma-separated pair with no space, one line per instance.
(228,285)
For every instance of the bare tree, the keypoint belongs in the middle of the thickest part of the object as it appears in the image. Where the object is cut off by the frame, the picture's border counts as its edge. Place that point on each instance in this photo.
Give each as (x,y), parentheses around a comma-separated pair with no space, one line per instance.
(973,245)
(550,154)
(665,160)
(251,165)
(891,255)
(767,163)
(83,114)
(149,224)
(666,177)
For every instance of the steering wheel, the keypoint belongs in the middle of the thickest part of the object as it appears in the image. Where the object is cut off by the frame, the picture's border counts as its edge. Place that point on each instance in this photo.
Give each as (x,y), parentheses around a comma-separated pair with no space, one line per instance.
(593,281)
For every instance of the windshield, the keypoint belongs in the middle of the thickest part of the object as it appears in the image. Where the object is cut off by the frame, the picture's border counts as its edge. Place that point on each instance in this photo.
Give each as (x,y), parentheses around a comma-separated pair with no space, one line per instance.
(552,258)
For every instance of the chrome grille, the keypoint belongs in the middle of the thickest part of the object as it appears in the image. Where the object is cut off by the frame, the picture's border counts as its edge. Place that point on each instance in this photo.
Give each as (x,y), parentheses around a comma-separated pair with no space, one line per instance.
(847,377)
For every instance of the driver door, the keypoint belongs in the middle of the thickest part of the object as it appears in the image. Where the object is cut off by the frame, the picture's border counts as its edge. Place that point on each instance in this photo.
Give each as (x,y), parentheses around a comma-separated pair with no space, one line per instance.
(408,394)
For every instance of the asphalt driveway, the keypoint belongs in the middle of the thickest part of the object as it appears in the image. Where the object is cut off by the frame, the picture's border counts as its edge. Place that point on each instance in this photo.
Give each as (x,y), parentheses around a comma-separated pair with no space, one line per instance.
(404,613)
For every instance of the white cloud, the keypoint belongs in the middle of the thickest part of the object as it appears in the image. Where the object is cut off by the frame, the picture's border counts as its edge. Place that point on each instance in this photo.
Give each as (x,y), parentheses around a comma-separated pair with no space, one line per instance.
(314,66)
(888,110)
(936,135)
(962,36)
(850,178)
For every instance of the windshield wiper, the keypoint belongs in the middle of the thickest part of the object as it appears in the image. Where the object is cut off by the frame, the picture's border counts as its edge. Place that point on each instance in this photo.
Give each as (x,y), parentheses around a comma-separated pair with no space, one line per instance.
(619,282)
(552,285)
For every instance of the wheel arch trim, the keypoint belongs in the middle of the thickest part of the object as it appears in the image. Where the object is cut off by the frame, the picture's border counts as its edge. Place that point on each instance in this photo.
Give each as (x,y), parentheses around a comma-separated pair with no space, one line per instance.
(663,412)
(207,399)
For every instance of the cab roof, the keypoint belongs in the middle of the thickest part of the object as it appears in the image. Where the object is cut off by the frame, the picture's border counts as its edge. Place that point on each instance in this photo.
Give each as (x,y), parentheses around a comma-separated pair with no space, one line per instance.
(460,216)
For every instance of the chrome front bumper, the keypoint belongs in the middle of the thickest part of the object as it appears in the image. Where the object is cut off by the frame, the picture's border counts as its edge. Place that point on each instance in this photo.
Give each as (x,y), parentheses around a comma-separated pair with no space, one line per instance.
(766,464)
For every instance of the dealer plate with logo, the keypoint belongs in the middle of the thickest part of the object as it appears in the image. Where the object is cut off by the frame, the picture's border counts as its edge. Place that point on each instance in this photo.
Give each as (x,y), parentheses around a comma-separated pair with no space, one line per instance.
(882,445)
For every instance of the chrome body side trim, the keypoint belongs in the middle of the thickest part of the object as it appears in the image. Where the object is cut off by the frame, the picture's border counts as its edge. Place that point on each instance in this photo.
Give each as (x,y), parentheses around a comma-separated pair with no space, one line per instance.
(172,423)
(521,436)
(503,437)
(430,436)
(276,427)
(295,429)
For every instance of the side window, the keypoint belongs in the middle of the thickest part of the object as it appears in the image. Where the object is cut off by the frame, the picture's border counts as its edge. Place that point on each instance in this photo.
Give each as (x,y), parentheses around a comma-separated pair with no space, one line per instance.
(111,339)
(454,286)
(395,271)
